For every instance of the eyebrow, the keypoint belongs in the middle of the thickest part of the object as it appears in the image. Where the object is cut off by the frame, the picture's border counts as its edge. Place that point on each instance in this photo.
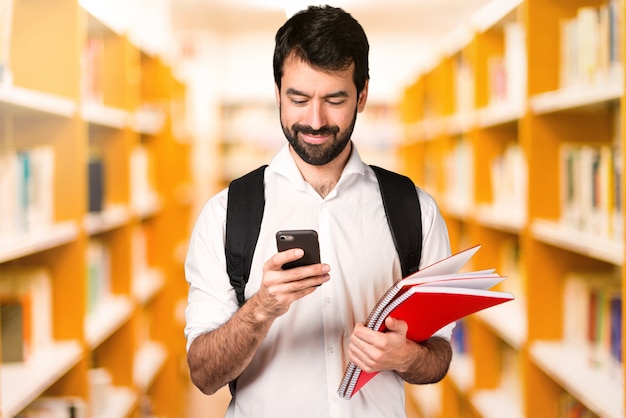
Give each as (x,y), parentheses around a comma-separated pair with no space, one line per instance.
(294,92)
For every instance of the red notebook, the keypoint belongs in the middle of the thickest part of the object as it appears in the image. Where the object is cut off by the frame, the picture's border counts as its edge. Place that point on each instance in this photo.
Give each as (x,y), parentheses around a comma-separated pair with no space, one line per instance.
(428,300)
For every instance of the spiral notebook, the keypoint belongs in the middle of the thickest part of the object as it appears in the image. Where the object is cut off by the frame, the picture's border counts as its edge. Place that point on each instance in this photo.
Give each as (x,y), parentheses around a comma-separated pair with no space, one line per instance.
(428,300)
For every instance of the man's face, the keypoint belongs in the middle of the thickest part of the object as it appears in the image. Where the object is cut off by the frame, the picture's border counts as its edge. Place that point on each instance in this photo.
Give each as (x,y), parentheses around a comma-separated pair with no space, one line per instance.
(318,110)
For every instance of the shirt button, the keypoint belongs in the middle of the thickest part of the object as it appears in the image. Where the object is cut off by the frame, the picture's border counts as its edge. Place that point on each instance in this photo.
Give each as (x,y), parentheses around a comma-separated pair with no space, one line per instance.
(331,350)
(328,300)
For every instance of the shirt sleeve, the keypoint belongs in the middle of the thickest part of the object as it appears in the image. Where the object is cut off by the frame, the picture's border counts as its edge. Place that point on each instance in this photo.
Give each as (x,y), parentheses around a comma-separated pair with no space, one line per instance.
(211,299)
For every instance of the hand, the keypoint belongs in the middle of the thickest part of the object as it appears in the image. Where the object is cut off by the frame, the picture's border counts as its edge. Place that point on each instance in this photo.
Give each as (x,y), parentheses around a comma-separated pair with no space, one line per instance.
(375,351)
(280,288)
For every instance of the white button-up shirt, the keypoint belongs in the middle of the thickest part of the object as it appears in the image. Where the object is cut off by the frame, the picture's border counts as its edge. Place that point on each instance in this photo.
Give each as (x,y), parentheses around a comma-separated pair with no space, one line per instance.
(297,370)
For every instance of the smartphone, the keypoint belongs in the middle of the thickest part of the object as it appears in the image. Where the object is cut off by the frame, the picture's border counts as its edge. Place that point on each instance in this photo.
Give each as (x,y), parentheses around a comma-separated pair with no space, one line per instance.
(299,238)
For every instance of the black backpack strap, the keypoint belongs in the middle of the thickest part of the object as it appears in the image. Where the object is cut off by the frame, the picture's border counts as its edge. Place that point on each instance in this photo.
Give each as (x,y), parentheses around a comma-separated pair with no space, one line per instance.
(246,202)
(404,216)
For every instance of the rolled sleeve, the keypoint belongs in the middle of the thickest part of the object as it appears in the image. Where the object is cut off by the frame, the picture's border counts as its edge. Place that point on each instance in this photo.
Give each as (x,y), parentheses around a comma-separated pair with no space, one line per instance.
(211,299)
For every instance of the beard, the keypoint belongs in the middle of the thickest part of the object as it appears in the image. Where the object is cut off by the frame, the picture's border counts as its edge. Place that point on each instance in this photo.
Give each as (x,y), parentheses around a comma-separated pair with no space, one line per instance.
(318,154)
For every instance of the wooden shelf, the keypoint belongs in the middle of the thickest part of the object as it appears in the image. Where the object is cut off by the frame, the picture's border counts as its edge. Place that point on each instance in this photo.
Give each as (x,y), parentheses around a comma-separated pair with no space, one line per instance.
(107,220)
(492,13)
(509,321)
(39,240)
(90,92)
(460,123)
(121,402)
(147,285)
(149,361)
(148,121)
(492,403)
(105,116)
(589,245)
(148,207)
(487,130)
(501,219)
(462,372)
(577,97)
(428,398)
(23,101)
(600,392)
(21,383)
(500,114)
(109,316)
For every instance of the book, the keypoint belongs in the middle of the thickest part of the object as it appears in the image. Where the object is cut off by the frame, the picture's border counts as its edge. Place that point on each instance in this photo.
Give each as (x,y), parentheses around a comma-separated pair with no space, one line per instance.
(26,296)
(96,180)
(14,329)
(592,318)
(143,195)
(27,189)
(98,274)
(428,300)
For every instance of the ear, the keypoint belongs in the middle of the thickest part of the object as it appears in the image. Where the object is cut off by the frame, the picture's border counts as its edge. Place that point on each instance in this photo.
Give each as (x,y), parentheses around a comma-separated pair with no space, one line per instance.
(362,97)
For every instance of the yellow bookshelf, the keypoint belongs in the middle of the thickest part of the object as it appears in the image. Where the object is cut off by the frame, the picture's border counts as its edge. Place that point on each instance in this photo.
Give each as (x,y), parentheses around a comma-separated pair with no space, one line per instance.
(536,137)
(79,88)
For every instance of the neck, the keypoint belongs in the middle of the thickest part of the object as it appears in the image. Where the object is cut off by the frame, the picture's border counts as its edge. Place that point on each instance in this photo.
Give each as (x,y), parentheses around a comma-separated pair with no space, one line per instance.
(324,178)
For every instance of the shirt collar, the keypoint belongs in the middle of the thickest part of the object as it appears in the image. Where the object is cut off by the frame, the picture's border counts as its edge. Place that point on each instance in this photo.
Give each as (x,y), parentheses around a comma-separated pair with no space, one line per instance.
(283,163)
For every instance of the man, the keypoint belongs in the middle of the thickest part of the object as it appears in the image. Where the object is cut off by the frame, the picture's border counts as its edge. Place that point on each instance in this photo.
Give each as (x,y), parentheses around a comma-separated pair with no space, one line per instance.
(288,345)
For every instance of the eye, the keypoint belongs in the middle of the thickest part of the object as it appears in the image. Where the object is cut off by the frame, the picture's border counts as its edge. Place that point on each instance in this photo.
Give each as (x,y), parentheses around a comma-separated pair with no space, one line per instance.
(298,101)
(336,102)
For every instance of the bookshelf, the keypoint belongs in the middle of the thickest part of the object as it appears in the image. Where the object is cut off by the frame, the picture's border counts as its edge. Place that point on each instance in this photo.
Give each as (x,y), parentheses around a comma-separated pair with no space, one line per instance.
(95,160)
(516,131)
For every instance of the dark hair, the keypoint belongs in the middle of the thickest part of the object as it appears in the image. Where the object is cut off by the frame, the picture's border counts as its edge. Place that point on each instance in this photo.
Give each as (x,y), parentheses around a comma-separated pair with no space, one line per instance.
(325,37)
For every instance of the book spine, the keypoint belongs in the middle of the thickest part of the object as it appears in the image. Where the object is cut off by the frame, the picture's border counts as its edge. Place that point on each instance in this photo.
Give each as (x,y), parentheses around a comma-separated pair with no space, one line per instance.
(347,381)
(459,338)
(92,62)
(143,193)
(509,180)
(590,190)
(98,276)
(590,45)
(27,188)
(515,63)
(615,320)
(31,289)
(592,317)
(96,183)
(14,329)
(8,191)
(464,85)
(389,295)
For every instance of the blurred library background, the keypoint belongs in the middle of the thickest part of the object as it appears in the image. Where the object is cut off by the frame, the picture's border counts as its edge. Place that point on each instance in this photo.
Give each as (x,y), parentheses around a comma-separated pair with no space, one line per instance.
(119,119)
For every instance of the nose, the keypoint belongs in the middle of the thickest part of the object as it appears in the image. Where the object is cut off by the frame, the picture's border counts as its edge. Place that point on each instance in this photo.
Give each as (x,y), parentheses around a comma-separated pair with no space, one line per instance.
(316,115)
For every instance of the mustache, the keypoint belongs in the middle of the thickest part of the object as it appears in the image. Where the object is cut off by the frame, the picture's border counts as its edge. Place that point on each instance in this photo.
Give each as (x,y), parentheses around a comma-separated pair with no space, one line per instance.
(323,131)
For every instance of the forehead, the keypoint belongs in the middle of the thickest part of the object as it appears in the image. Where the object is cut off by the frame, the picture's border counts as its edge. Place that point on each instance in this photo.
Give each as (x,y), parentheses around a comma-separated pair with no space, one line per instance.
(300,75)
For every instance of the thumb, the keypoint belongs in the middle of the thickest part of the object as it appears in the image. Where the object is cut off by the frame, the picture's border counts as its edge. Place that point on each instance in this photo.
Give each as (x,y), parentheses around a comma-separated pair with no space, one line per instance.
(396,325)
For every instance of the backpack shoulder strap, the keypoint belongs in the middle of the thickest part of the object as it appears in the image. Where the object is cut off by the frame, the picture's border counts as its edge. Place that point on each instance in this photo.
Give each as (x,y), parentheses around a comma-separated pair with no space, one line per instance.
(404,216)
(246,202)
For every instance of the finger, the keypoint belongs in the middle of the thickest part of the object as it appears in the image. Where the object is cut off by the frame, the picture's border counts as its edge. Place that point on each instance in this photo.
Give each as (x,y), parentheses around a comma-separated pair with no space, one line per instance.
(363,356)
(365,335)
(396,325)
(313,270)
(279,259)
